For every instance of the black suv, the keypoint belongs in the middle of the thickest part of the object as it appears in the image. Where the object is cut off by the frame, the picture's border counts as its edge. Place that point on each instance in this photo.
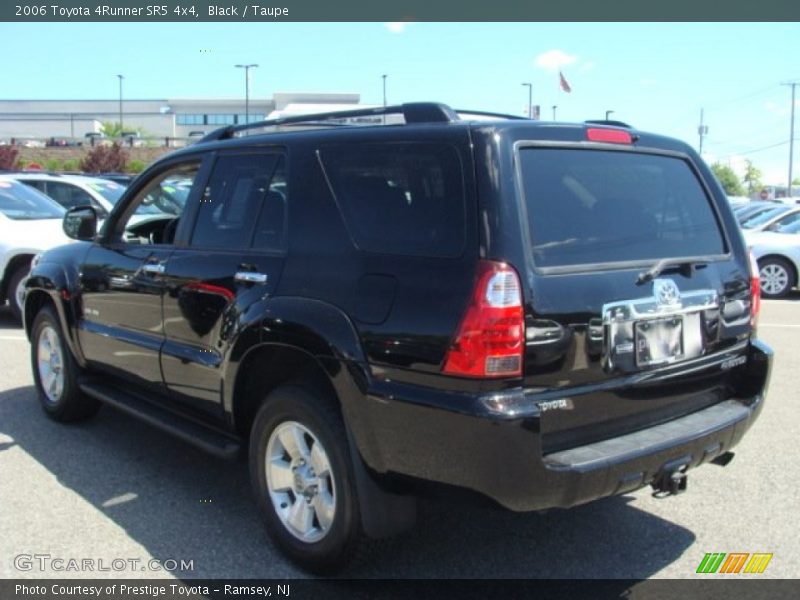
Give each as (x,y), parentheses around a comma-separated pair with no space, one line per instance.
(542,313)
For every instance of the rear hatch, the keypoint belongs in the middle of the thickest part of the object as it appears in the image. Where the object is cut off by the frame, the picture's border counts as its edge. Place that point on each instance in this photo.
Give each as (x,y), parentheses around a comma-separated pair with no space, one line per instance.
(637,295)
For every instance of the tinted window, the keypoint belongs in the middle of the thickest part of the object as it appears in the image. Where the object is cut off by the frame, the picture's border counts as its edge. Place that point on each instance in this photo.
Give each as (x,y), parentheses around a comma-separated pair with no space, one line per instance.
(68,195)
(231,203)
(587,207)
(271,223)
(400,198)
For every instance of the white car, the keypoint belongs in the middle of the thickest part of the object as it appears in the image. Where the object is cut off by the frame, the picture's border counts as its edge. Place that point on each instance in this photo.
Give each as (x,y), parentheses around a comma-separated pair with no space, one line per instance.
(765,220)
(76,190)
(30,222)
(778,254)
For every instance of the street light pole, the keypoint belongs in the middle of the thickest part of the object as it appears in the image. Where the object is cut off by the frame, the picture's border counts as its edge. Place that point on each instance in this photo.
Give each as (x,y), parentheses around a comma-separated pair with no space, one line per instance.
(121,128)
(530,99)
(555,106)
(609,113)
(794,84)
(246,89)
(384,89)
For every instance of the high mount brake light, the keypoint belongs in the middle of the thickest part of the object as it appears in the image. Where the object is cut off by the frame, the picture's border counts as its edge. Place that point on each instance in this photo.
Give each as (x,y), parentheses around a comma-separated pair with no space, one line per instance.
(491,337)
(612,136)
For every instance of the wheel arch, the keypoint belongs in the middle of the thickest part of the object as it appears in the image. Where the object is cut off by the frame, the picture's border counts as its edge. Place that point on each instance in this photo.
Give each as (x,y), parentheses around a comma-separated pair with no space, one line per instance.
(12,265)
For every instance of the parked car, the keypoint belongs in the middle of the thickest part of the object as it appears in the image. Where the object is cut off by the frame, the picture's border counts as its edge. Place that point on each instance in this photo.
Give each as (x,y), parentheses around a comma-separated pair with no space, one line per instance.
(755,208)
(764,219)
(542,314)
(30,222)
(76,190)
(777,251)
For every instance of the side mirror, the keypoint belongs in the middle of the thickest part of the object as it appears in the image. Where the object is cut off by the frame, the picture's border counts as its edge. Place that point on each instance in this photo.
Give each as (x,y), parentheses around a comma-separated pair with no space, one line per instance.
(80,223)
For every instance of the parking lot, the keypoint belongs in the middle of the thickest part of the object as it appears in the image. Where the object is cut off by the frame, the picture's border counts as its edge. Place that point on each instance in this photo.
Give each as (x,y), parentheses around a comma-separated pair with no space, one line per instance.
(115,488)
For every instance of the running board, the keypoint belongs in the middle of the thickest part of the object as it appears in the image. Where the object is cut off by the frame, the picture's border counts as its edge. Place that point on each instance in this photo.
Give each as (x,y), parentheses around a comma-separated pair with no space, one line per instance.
(199,435)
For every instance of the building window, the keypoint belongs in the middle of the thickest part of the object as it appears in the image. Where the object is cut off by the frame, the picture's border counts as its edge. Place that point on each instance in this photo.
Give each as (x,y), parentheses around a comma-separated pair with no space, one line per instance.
(187,119)
(220,119)
(251,118)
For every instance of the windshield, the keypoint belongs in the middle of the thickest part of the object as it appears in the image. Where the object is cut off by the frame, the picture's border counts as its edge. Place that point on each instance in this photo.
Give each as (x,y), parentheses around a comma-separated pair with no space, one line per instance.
(110,190)
(20,202)
(596,206)
(763,217)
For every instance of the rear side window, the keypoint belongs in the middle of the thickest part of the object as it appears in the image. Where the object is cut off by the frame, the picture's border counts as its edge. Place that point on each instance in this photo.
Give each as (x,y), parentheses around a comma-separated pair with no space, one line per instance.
(400,198)
(591,206)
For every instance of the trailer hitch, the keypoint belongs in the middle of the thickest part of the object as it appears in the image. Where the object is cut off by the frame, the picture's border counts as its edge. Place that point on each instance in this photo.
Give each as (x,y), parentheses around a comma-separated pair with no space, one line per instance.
(671,479)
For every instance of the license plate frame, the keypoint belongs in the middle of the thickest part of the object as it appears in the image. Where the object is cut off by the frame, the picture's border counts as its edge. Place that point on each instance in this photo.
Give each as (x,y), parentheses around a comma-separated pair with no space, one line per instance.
(659,341)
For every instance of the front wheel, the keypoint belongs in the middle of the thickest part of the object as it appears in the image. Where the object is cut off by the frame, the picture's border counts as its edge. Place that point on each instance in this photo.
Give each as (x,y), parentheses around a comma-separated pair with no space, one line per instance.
(303,479)
(55,372)
(777,277)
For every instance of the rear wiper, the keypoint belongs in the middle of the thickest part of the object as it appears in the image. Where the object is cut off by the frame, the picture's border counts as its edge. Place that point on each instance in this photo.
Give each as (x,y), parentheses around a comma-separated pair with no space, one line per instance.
(685,266)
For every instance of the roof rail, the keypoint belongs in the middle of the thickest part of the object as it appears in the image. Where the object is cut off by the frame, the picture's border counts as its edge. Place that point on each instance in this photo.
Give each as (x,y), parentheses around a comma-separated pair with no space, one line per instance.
(414,112)
(606,122)
(481,113)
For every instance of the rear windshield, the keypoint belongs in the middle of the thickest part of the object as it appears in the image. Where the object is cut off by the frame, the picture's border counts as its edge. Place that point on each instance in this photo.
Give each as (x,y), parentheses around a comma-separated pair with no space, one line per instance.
(596,206)
(400,198)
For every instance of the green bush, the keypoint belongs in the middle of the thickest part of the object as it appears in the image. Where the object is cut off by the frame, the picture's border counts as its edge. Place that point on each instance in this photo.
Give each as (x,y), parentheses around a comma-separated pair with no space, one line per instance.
(136,166)
(53,164)
(70,164)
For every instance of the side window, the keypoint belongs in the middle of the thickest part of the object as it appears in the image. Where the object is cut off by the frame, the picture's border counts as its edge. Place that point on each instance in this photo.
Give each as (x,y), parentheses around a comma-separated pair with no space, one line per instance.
(149,219)
(68,195)
(400,198)
(235,203)
(270,233)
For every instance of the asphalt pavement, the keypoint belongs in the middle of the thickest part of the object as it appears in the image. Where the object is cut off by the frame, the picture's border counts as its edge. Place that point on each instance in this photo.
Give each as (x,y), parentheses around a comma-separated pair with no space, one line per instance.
(119,493)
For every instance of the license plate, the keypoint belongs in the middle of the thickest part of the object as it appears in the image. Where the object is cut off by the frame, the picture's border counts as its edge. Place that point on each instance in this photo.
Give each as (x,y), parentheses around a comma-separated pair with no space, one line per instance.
(659,340)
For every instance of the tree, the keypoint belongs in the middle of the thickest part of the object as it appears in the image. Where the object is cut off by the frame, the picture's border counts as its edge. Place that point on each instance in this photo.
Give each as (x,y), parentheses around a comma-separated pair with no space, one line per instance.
(105,159)
(113,129)
(752,178)
(728,179)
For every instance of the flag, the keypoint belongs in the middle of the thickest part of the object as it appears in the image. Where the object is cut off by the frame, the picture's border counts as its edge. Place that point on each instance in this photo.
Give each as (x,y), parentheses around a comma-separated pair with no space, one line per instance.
(563,82)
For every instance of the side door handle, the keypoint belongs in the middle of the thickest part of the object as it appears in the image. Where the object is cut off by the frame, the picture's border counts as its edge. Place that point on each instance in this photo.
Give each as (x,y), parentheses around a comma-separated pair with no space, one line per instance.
(250,277)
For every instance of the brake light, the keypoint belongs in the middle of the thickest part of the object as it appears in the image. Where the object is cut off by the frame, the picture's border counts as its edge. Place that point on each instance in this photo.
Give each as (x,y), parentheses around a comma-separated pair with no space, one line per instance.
(612,136)
(491,337)
(755,289)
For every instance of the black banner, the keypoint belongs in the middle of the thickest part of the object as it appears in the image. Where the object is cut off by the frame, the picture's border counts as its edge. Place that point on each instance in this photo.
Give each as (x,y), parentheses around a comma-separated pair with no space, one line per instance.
(243,11)
(303,589)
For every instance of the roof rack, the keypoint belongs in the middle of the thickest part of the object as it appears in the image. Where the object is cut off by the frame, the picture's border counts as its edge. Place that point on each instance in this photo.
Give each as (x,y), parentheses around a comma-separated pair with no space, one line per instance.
(413,112)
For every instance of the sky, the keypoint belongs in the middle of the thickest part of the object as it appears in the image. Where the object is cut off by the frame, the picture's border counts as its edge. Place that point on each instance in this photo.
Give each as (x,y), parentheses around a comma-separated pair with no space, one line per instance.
(654,76)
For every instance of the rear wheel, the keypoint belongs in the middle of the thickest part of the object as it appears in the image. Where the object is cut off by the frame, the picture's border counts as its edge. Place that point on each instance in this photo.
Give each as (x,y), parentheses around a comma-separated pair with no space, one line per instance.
(303,478)
(777,277)
(55,372)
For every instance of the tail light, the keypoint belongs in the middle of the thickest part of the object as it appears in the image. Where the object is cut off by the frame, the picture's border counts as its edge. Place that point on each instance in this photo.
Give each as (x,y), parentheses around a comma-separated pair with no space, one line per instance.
(491,337)
(755,290)
(610,136)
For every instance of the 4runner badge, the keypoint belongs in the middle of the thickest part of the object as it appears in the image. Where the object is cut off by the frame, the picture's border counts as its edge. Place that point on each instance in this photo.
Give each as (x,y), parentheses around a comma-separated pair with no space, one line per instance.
(666,292)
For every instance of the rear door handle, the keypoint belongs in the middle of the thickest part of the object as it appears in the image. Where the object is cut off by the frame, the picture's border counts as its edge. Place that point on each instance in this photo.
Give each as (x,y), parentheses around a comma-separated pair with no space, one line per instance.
(250,277)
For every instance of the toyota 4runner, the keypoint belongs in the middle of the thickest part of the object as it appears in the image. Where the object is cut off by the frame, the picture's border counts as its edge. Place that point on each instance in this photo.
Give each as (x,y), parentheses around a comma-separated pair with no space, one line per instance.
(542,313)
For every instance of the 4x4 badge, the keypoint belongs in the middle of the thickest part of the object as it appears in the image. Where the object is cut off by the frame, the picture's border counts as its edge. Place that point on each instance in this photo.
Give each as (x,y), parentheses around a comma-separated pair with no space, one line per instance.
(666,292)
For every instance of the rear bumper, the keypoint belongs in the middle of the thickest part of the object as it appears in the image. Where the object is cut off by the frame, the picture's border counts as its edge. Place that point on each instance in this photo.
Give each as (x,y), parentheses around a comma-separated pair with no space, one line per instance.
(454,442)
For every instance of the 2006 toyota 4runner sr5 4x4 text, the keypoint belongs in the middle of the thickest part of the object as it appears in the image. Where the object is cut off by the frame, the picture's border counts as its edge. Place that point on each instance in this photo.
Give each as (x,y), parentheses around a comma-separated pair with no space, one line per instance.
(544,314)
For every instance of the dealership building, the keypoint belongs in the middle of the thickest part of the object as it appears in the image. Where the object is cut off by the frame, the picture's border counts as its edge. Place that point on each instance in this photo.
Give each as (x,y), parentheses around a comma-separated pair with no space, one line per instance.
(159,118)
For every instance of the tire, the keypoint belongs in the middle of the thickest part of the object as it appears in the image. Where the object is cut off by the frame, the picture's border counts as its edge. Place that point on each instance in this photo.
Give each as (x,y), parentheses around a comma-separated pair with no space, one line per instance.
(55,372)
(777,277)
(15,287)
(313,519)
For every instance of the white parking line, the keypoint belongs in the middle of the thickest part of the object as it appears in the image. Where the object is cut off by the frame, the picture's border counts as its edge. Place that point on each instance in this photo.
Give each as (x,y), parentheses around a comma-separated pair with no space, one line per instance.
(13,337)
(792,325)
